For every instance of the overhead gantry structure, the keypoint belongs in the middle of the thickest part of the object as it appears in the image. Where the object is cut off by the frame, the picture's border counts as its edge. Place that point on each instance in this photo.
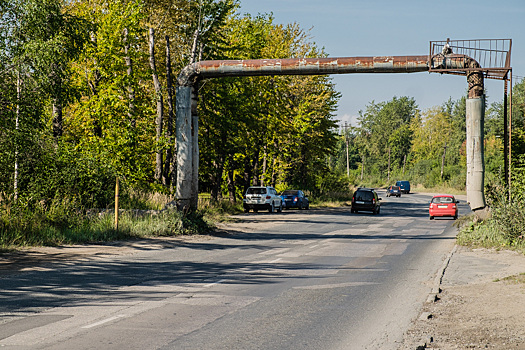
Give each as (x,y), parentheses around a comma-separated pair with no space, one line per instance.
(445,57)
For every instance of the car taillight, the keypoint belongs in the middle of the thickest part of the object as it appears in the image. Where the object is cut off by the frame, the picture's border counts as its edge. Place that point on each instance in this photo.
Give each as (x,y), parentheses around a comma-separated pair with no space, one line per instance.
(295,199)
(268,197)
(374,201)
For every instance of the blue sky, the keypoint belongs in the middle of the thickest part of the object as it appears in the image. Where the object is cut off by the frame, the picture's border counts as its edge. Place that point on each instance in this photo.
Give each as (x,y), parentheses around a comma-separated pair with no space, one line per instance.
(387,28)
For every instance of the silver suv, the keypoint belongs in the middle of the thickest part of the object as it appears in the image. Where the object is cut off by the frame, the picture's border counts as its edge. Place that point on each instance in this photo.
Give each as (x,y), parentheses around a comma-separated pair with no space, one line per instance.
(262,198)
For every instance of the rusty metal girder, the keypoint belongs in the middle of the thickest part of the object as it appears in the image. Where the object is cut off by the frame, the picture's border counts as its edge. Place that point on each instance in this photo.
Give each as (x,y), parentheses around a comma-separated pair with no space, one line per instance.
(464,65)
(303,66)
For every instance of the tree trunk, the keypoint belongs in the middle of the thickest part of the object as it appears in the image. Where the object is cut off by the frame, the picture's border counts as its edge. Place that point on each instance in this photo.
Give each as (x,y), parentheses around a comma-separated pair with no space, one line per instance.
(247,174)
(93,85)
(255,168)
(17,127)
(193,55)
(58,126)
(263,173)
(168,165)
(131,92)
(231,180)
(160,106)
(216,178)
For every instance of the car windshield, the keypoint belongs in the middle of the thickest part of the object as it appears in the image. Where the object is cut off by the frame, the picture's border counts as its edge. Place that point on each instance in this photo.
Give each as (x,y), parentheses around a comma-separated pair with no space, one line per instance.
(364,196)
(442,200)
(256,190)
(291,192)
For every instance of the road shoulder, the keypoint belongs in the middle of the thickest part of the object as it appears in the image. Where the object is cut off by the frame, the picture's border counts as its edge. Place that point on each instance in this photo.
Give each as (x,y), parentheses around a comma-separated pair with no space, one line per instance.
(481,304)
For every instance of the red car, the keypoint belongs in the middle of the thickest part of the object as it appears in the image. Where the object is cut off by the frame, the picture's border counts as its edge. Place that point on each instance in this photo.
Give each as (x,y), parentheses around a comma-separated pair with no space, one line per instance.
(443,205)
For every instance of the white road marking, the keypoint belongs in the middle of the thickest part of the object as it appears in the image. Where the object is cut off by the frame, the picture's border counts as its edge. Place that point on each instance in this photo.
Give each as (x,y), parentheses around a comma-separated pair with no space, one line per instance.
(103,321)
(214,283)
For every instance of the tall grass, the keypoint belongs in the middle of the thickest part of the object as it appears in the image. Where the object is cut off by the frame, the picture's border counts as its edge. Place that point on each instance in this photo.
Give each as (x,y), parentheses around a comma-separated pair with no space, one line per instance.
(63,221)
(505,228)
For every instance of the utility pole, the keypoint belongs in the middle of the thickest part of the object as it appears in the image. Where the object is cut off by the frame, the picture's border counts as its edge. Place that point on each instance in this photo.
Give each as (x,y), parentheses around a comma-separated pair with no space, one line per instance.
(347,157)
(443,160)
(388,164)
(362,166)
(404,163)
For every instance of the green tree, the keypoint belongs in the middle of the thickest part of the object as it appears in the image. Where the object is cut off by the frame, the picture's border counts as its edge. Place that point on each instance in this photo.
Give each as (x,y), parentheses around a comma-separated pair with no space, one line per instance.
(384,131)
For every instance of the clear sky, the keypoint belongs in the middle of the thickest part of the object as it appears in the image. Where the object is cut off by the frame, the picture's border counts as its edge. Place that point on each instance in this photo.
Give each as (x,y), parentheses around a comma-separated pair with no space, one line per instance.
(347,28)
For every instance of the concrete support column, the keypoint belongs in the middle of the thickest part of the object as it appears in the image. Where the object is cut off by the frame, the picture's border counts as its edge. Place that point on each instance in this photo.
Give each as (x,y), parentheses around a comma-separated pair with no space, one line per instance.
(194,196)
(184,148)
(475,153)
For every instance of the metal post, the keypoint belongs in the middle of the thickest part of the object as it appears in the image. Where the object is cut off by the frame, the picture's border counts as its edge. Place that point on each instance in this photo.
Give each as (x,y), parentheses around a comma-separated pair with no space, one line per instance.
(510,138)
(505,135)
(117,195)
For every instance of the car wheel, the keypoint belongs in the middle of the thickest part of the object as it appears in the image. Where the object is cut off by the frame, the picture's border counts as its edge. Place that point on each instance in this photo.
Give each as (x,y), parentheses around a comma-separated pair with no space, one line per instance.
(431,218)
(456,217)
(255,210)
(280,209)
(246,210)
(378,210)
(271,209)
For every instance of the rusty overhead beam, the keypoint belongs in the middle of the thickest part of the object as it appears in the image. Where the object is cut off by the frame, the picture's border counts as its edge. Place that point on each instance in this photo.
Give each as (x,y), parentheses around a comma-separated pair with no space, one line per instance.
(303,66)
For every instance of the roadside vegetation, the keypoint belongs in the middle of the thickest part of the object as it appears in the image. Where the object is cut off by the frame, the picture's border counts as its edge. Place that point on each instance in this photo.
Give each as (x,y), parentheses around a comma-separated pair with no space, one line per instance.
(87,96)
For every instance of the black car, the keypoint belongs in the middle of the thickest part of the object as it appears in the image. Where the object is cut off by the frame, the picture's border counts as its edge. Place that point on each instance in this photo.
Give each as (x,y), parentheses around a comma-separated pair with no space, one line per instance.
(295,199)
(365,199)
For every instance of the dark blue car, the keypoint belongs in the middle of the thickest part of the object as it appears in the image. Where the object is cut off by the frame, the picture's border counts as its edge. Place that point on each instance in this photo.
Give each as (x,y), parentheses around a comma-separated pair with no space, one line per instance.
(295,199)
(404,186)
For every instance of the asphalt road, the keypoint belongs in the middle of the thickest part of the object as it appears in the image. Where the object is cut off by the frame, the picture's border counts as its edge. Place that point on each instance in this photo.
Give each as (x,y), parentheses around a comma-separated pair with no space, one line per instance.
(316,279)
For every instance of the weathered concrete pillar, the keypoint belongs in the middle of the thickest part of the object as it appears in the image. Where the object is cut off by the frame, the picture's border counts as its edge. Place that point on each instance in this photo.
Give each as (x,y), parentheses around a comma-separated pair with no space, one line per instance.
(184,148)
(475,153)
(194,196)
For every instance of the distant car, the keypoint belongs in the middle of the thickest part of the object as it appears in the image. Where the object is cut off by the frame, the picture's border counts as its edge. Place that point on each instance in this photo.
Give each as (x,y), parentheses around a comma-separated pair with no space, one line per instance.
(365,199)
(393,191)
(443,205)
(404,186)
(295,199)
(262,198)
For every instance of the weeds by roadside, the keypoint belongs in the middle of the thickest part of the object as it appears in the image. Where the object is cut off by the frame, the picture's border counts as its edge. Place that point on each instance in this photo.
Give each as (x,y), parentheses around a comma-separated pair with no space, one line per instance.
(504,229)
(63,221)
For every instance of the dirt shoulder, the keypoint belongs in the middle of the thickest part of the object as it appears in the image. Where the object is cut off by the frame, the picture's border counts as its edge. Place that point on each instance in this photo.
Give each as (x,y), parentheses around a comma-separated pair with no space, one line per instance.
(481,304)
